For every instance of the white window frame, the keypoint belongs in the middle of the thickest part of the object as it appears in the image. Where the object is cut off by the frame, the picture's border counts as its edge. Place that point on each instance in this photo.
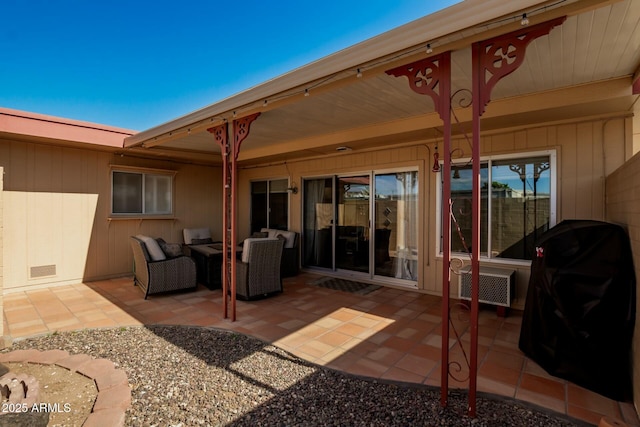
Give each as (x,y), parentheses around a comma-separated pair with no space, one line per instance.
(489,159)
(144,173)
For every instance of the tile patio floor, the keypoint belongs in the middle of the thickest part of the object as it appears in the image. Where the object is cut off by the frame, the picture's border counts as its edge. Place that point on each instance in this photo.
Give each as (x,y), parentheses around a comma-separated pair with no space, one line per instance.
(390,334)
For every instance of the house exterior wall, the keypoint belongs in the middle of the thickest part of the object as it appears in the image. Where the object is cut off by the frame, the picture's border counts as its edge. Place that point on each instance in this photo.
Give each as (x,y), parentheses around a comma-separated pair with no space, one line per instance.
(56,216)
(587,151)
(636,126)
(1,251)
(623,207)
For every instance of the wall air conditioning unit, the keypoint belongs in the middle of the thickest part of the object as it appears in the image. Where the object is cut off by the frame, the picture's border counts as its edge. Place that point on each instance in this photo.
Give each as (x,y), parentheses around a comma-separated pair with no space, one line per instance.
(497,285)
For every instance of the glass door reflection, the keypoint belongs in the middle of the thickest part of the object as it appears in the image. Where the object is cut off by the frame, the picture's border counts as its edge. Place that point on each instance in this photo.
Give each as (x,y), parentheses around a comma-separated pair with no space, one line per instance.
(352,227)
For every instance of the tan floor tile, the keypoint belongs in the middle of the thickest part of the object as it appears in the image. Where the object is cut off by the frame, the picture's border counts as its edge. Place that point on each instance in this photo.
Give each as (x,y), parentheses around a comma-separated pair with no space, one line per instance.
(21,315)
(511,361)
(369,368)
(401,344)
(545,386)
(19,301)
(328,323)
(334,354)
(334,339)
(293,340)
(417,365)
(315,349)
(23,331)
(156,316)
(353,330)
(70,325)
(292,324)
(491,385)
(125,319)
(366,321)
(206,321)
(100,323)
(391,333)
(533,368)
(397,374)
(583,398)
(426,351)
(270,332)
(91,316)
(500,373)
(584,414)
(26,323)
(386,356)
(345,314)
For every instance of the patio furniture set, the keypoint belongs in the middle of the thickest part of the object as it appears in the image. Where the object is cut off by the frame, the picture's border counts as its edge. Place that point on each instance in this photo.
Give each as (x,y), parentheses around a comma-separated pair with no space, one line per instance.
(262,261)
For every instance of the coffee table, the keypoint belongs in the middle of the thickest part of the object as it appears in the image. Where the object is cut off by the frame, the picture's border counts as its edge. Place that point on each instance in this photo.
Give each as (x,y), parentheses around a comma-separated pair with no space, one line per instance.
(208,260)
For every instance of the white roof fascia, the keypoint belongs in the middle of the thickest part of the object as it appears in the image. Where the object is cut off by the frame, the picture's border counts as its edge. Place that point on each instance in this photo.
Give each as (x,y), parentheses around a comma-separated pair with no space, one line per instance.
(456,18)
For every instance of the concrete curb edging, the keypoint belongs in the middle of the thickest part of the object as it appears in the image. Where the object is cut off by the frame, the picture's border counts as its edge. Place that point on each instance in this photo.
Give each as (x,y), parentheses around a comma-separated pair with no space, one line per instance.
(114,393)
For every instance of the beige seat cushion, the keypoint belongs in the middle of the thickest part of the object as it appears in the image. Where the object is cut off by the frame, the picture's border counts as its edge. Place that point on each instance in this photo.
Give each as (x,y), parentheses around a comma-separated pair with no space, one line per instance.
(289,236)
(153,248)
(195,233)
(246,246)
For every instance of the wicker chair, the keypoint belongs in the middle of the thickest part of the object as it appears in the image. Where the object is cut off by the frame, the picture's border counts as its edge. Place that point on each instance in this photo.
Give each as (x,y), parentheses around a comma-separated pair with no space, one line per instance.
(258,275)
(166,275)
(289,266)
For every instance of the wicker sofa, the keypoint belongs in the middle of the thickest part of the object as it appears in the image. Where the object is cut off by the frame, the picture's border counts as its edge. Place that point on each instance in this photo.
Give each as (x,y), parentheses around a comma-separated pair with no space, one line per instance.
(155,272)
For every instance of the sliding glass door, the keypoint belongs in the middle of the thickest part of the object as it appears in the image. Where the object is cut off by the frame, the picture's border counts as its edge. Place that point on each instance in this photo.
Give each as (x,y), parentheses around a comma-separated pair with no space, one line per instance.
(346,229)
(352,227)
(318,218)
(396,225)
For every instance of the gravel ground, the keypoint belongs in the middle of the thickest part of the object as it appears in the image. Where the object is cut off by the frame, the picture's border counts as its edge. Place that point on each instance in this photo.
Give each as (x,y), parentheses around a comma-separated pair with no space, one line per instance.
(190,376)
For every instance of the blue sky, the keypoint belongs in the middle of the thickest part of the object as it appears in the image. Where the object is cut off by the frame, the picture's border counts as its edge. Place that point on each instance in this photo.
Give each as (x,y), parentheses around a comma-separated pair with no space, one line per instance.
(137,64)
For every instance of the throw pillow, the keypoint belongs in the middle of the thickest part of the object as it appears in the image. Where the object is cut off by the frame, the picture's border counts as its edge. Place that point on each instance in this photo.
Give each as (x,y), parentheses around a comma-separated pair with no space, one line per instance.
(153,248)
(171,250)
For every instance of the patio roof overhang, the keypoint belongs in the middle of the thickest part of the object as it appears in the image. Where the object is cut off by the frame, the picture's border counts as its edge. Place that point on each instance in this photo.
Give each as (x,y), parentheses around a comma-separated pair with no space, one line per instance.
(586,67)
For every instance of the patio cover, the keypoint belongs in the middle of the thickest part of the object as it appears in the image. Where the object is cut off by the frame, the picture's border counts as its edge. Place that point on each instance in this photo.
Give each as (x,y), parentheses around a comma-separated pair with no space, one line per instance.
(585,67)
(588,66)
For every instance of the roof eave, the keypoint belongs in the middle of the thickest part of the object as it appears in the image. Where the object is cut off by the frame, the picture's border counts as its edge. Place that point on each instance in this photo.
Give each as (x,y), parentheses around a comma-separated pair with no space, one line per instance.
(454,19)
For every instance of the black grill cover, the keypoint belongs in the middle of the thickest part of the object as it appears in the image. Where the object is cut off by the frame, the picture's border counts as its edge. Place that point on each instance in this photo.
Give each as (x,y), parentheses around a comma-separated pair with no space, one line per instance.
(580,308)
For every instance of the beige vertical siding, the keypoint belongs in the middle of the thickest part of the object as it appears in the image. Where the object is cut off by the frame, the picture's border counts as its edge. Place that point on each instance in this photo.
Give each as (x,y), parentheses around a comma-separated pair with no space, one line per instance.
(57,206)
(623,207)
(57,199)
(582,162)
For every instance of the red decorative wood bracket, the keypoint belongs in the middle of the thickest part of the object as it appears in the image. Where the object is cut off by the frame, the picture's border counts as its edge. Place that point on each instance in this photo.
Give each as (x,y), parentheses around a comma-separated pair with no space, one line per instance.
(220,134)
(501,56)
(430,76)
(241,129)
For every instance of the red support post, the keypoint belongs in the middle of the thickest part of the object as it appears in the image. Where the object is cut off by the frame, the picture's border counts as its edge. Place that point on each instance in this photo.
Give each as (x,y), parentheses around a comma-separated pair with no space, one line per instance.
(432,76)
(445,114)
(475,226)
(491,60)
(221,135)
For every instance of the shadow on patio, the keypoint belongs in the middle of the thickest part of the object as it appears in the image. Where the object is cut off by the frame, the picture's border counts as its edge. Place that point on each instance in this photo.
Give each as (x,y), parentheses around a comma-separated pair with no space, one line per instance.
(388,334)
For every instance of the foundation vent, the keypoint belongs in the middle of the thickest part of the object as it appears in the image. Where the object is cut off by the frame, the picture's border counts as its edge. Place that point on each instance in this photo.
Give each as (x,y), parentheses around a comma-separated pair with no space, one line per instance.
(42,271)
(496,285)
